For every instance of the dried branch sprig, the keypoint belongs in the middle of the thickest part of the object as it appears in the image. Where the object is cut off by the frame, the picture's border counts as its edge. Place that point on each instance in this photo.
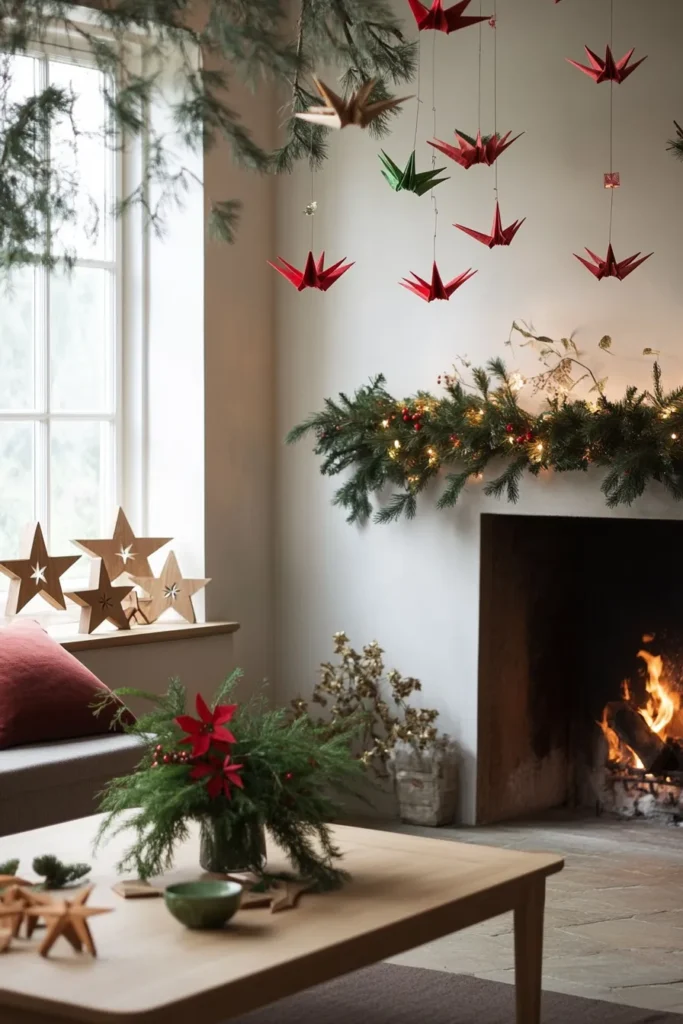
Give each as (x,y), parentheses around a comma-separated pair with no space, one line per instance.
(356,689)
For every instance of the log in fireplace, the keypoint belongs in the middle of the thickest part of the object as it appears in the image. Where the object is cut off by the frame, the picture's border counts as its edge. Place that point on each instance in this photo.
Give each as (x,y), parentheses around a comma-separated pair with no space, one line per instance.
(580,666)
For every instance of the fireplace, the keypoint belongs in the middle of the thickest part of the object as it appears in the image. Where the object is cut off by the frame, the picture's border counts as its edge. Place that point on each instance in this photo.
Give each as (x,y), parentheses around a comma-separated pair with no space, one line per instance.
(580,666)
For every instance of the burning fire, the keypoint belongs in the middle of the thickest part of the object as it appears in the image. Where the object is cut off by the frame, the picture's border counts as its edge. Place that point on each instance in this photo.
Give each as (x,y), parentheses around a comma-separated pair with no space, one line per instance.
(660,709)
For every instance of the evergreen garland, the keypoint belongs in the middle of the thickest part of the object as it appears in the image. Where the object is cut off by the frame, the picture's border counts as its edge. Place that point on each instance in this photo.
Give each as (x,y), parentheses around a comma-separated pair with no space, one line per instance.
(288,768)
(361,38)
(405,445)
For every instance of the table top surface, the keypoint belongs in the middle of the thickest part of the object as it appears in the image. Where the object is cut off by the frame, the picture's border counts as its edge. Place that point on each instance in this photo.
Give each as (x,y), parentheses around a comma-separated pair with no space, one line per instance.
(405,891)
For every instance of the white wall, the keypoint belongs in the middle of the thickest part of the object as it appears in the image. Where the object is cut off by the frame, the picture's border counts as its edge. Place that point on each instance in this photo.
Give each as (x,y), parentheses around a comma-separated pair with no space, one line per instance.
(414,586)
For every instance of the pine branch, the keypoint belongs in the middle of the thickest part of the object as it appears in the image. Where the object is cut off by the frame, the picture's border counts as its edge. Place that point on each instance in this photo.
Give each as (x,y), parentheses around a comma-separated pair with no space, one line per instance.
(637,439)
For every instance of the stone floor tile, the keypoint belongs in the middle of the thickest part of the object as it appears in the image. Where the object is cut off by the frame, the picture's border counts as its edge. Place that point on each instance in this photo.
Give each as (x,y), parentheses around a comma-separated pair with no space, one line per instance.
(630,933)
(650,997)
(611,969)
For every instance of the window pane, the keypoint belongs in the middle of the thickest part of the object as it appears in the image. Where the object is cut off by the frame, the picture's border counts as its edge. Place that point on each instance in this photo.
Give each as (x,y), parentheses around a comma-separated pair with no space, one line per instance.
(86,156)
(16,341)
(16,484)
(81,340)
(78,463)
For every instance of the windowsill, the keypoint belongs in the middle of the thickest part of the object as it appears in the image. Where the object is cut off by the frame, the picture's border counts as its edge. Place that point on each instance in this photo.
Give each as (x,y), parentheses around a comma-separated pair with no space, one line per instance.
(159,632)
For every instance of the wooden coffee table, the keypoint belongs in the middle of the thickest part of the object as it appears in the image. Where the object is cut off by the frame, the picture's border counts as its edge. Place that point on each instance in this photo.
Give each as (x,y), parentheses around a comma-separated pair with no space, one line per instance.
(405,891)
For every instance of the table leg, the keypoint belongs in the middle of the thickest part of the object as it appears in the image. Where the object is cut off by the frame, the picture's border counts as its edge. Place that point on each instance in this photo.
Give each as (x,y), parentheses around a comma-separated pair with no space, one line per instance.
(529,952)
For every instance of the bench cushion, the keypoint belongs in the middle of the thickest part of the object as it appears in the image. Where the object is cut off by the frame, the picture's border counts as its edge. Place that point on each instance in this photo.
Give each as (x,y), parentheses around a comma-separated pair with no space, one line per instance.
(46,783)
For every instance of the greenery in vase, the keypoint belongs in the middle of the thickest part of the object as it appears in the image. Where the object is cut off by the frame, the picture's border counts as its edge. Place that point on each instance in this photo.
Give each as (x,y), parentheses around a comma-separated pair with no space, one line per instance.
(234,765)
(250,39)
(406,444)
(356,690)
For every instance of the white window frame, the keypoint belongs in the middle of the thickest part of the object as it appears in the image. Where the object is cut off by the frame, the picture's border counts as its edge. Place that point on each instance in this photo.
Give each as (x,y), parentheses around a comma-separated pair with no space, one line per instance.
(124,443)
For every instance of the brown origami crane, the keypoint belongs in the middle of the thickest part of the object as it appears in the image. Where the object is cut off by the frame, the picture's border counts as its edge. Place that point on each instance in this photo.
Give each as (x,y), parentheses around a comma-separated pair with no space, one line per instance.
(338,112)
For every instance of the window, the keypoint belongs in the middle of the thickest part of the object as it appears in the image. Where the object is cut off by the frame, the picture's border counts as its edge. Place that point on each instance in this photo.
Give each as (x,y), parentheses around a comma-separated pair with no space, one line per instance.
(60,350)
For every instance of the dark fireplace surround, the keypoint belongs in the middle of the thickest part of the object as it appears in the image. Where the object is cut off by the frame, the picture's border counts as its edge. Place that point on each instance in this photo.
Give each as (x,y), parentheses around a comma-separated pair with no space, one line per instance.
(564,605)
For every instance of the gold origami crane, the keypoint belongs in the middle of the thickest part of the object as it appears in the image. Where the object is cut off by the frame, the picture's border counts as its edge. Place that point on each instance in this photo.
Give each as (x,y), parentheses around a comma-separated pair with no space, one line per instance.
(338,112)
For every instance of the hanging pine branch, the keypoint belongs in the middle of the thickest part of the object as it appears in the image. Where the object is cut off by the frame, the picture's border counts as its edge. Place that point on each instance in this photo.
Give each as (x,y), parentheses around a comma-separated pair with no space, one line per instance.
(676,144)
(393,450)
(360,38)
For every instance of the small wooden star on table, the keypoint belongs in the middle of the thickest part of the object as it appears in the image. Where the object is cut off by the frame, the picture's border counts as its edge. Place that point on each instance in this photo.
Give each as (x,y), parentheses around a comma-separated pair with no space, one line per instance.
(24,898)
(102,601)
(169,590)
(35,573)
(124,552)
(11,916)
(70,919)
(6,880)
(5,939)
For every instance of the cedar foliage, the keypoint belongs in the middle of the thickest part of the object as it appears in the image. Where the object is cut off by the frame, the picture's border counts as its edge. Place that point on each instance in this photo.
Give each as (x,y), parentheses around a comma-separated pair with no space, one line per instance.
(637,439)
(289,771)
(253,40)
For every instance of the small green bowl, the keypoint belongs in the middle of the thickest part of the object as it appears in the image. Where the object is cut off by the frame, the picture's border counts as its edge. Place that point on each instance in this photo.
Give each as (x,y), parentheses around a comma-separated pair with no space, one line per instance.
(203,904)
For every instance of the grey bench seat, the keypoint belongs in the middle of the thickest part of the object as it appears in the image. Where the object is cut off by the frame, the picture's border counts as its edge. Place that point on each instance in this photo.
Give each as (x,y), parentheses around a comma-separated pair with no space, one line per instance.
(46,783)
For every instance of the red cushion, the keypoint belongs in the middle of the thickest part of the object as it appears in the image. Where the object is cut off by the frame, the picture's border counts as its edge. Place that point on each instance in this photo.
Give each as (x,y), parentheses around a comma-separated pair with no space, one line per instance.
(45,693)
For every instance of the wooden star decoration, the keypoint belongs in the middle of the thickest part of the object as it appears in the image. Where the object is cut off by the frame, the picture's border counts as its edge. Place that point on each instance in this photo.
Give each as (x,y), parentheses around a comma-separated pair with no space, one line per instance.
(124,552)
(36,573)
(102,601)
(24,898)
(6,880)
(11,916)
(357,109)
(169,590)
(70,919)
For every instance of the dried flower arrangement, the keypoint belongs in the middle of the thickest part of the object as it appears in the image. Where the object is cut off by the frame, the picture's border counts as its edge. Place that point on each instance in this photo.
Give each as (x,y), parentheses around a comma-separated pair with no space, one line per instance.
(355,690)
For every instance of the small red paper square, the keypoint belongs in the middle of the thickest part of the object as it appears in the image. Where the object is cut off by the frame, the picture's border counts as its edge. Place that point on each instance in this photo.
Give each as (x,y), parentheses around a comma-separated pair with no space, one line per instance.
(613,179)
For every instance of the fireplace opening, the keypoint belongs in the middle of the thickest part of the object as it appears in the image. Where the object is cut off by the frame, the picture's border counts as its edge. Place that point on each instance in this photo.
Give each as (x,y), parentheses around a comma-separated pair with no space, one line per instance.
(580,667)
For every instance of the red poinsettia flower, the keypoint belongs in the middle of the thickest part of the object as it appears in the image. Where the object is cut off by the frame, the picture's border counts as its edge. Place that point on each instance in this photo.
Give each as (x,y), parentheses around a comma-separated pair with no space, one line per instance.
(220,775)
(208,727)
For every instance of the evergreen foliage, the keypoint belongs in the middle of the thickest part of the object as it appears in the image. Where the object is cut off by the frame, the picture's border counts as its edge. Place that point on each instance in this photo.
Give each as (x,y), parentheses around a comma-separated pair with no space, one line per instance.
(676,144)
(56,874)
(9,867)
(289,769)
(252,38)
(403,446)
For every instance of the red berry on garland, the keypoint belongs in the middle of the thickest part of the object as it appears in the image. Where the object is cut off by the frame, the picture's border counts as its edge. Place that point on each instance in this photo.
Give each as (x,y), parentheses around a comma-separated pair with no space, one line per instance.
(520,439)
(418,426)
(509,427)
(528,436)
(167,759)
(155,764)
(158,748)
(289,776)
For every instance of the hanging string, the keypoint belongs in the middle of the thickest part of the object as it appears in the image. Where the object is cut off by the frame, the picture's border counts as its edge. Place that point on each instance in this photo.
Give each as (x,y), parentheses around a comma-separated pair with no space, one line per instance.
(312,205)
(611,121)
(419,100)
(495,91)
(479,85)
(433,196)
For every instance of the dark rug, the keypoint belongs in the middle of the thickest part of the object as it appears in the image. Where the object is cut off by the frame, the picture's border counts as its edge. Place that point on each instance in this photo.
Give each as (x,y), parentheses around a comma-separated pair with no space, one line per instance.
(388,994)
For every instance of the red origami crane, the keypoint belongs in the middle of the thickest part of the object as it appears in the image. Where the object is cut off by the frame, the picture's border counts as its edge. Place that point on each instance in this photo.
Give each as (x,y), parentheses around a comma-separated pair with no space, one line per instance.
(220,775)
(208,728)
(436,289)
(475,151)
(608,70)
(443,21)
(314,275)
(610,266)
(499,235)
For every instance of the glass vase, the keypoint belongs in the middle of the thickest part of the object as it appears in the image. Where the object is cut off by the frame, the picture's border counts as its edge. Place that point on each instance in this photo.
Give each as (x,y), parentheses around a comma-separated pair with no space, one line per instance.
(226,846)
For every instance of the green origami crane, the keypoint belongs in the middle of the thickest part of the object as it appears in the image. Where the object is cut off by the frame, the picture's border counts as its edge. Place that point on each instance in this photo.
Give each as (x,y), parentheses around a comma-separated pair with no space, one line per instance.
(408,180)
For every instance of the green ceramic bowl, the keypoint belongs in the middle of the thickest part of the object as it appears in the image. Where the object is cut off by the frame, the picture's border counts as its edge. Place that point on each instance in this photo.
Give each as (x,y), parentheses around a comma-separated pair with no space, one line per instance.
(203,904)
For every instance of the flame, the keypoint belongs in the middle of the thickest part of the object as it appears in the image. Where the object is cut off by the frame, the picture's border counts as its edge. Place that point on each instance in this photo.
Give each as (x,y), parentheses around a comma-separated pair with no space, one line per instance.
(663,703)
